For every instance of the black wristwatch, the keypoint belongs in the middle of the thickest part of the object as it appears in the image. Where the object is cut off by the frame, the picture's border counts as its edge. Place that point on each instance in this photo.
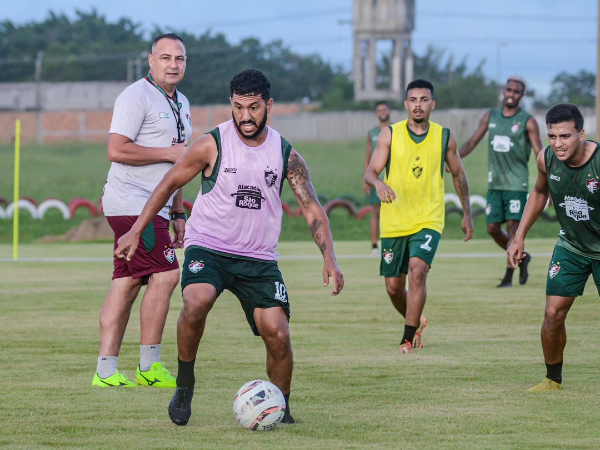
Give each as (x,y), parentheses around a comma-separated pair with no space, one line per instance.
(178,215)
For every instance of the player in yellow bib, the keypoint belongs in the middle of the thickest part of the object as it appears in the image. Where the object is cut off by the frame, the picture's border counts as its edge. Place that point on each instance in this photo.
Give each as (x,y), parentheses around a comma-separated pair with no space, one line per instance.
(413,153)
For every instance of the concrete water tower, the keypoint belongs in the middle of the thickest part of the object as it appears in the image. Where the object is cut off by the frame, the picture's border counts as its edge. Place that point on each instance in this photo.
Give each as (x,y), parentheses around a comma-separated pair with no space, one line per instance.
(383,60)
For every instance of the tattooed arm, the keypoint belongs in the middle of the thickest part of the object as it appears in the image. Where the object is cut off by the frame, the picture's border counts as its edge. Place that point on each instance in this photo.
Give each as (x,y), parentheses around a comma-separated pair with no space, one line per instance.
(461,185)
(299,180)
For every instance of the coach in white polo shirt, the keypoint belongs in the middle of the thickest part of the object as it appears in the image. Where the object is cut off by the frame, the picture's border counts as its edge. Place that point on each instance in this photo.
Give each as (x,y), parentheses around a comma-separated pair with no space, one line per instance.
(150,125)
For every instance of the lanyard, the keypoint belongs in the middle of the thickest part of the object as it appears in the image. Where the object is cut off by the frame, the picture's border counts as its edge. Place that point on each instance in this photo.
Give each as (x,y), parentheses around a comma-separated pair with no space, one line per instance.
(175,107)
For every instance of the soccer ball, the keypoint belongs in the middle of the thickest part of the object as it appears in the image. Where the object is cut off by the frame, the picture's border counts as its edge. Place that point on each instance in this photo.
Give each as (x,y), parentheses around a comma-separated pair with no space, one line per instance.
(259,405)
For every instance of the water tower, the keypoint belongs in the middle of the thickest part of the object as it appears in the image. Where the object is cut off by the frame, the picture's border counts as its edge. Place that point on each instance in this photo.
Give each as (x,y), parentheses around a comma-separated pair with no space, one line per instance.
(383,60)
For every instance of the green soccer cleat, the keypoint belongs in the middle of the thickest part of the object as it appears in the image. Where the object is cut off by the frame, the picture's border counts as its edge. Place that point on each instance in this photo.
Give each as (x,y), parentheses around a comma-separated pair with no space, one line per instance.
(545,386)
(115,380)
(158,376)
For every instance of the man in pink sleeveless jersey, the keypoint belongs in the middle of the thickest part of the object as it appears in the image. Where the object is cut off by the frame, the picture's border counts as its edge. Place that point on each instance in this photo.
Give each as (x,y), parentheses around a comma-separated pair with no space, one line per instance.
(147,135)
(231,237)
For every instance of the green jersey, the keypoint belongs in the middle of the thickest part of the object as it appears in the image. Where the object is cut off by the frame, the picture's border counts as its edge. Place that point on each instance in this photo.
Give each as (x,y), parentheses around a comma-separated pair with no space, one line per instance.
(374,136)
(575,192)
(508,151)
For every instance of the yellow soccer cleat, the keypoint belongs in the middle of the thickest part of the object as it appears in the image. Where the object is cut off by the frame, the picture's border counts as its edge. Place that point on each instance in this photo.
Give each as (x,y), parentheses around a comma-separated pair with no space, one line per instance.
(546,385)
(115,380)
(157,376)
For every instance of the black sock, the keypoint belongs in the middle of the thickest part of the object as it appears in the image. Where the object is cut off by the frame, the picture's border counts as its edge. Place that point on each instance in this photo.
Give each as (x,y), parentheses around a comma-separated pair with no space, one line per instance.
(375,245)
(554,372)
(287,403)
(509,274)
(409,333)
(185,374)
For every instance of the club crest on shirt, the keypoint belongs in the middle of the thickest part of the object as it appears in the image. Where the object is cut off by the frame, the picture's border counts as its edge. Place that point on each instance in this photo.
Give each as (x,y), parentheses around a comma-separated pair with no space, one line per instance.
(515,127)
(592,185)
(248,197)
(388,256)
(270,177)
(417,170)
(196,266)
(169,254)
(554,269)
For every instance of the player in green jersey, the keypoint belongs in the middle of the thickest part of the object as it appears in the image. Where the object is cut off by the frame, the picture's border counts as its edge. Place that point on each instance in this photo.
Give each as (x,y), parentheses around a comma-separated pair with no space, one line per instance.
(382,111)
(512,134)
(568,171)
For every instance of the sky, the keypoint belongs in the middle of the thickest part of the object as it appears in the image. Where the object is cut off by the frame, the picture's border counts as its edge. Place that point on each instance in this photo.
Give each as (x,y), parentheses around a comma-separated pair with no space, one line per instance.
(535,39)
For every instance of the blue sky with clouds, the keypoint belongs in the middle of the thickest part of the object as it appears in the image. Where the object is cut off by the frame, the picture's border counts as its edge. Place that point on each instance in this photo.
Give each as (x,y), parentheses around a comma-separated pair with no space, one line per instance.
(534,38)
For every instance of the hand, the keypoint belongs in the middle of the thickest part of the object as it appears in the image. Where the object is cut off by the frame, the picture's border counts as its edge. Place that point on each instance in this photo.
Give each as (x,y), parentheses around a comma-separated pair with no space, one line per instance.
(127,245)
(179,150)
(331,269)
(515,253)
(467,227)
(179,230)
(385,193)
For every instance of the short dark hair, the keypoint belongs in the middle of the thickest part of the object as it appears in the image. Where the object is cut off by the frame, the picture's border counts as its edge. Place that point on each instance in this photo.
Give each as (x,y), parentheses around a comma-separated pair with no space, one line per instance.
(419,84)
(250,82)
(565,112)
(382,102)
(172,36)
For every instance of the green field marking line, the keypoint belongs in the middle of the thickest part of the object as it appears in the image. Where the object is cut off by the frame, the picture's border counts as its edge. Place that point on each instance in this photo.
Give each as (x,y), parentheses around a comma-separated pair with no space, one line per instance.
(284,257)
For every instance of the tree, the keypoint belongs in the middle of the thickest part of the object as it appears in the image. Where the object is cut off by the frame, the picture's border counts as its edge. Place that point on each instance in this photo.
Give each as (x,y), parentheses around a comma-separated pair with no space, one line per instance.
(579,89)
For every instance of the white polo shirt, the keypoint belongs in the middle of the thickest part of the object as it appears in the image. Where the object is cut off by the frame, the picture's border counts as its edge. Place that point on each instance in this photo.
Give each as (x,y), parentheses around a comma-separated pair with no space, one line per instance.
(143,114)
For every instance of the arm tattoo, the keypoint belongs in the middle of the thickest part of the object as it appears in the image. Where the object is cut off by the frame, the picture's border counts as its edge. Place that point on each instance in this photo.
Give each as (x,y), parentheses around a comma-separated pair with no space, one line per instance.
(299,179)
(462,187)
(314,229)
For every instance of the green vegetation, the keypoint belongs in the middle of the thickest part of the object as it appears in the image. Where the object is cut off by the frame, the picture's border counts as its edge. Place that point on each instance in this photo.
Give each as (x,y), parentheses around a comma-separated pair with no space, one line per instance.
(66,171)
(465,390)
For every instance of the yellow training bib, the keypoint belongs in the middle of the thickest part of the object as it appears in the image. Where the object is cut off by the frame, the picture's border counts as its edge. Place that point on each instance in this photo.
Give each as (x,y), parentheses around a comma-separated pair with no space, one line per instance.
(415,174)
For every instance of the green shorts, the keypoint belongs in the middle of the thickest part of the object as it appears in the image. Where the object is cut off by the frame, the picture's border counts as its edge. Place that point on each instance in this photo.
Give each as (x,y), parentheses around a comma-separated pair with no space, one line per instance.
(568,273)
(396,252)
(374,198)
(256,284)
(505,205)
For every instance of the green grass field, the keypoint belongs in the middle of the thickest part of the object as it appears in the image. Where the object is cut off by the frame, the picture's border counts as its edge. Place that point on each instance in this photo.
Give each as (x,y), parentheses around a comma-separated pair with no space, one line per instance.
(66,171)
(465,390)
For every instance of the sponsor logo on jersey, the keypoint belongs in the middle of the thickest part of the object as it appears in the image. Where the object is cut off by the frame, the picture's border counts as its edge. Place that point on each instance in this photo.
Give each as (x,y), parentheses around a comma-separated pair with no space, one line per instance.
(554,269)
(163,115)
(515,127)
(230,170)
(196,266)
(492,125)
(417,170)
(577,208)
(501,144)
(592,185)
(554,177)
(189,119)
(248,197)
(270,177)
(388,256)
(169,254)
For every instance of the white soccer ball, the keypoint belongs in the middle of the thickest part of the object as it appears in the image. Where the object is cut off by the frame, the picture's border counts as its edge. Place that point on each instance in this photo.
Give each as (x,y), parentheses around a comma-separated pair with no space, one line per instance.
(259,405)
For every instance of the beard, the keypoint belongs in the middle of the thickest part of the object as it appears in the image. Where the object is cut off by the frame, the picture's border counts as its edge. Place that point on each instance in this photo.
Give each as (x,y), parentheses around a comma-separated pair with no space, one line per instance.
(421,120)
(384,119)
(260,127)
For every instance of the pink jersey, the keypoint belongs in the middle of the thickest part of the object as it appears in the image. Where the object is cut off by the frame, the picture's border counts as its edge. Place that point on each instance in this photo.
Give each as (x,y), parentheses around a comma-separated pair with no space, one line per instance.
(238,209)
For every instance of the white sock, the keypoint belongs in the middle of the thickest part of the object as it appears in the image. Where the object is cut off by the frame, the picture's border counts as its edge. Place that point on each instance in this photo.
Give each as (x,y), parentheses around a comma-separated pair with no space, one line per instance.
(149,354)
(107,366)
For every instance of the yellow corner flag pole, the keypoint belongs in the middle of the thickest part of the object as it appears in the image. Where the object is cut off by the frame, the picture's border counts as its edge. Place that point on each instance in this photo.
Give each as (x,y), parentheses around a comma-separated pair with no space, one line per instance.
(16,190)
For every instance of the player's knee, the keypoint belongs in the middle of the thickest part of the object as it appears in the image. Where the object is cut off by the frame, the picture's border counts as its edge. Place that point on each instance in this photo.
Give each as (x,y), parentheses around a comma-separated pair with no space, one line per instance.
(418,274)
(196,309)
(493,229)
(396,291)
(554,316)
